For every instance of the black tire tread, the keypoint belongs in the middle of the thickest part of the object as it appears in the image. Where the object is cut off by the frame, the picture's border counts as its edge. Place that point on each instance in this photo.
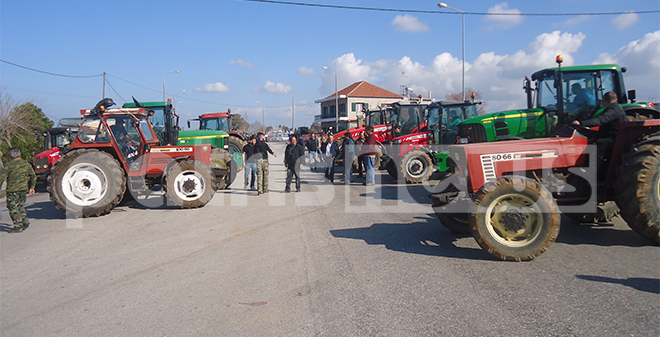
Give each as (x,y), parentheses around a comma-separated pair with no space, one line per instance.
(637,177)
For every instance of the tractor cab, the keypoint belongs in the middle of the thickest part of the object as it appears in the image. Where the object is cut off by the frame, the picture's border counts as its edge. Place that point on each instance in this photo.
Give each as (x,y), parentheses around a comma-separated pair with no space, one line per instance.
(444,117)
(164,120)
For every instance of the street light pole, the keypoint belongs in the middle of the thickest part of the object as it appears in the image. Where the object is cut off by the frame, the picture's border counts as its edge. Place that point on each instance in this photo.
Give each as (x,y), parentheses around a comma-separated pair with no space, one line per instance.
(336,101)
(444,5)
(171,72)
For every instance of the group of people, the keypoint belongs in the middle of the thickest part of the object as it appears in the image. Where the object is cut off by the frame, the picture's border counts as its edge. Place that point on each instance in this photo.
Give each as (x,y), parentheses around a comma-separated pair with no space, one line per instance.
(325,152)
(322,151)
(255,157)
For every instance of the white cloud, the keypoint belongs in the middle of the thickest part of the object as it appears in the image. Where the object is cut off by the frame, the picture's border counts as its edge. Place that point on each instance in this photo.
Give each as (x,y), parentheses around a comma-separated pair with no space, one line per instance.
(641,59)
(213,87)
(510,18)
(575,21)
(625,20)
(306,71)
(408,23)
(274,88)
(349,70)
(242,63)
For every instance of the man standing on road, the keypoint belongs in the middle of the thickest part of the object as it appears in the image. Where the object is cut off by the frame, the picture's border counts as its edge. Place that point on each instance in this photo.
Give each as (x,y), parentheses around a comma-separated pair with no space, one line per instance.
(313,148)
(349,155)
(370,156)
(250,161)
(21,180)
(262,163)
(331,152)
(292,154)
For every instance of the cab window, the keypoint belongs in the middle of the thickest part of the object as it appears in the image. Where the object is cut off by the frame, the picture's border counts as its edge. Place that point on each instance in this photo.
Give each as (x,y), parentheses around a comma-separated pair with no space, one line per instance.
(92,130)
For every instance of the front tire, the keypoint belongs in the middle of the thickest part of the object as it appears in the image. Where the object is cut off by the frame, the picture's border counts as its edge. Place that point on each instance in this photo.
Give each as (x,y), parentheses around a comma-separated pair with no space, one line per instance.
(86,182)
(416,166)
(638,187)
(190,184)
(514,218)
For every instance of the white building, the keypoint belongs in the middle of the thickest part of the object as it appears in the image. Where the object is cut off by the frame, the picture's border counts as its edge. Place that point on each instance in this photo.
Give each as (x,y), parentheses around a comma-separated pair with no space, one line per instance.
(358,97)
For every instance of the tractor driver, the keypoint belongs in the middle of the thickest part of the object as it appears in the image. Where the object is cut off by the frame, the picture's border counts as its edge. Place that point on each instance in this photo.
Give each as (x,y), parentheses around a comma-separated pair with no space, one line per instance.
(122,137)
(451,129)
(609,122)
(582,101)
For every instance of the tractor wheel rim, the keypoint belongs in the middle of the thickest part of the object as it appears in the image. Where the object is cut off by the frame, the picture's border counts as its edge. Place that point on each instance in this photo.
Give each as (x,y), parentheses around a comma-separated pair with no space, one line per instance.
(416,167)
(514,220)
(189,185)
(84,184)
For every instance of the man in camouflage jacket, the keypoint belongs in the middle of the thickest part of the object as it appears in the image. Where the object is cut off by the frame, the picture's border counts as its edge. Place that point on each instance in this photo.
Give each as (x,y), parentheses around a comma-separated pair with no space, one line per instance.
(21,180)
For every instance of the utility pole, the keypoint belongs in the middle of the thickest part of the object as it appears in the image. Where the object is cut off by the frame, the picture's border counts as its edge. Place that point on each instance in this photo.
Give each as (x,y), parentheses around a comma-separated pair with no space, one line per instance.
(103,85)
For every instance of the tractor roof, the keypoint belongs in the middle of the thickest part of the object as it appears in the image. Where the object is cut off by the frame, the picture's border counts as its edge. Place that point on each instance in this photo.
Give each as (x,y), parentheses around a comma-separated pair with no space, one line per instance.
(146,104)
(541,74)
(215,115)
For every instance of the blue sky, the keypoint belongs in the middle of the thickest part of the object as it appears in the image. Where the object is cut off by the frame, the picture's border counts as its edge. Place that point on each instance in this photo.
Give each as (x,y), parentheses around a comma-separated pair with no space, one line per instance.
(233,54)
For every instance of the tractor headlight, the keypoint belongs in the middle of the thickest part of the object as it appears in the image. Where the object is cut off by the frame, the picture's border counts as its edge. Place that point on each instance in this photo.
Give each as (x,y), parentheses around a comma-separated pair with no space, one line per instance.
(463,140)
(396,141)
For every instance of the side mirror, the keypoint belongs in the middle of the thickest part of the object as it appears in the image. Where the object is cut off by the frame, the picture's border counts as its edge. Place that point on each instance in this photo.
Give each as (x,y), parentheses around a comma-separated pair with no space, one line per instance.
(188,122)
(632,96)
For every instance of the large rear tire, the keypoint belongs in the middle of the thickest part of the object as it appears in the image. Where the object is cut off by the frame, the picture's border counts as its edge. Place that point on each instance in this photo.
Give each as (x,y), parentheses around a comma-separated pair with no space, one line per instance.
(514,218)
(638,187)
(224,160)
(86,182)
(235,144)
(190,184)
(416,166)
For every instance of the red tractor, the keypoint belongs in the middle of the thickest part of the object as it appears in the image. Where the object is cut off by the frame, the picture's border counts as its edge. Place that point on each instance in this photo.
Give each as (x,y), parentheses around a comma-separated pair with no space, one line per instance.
(509,194)
(117,150)
(222,121)
(56,140)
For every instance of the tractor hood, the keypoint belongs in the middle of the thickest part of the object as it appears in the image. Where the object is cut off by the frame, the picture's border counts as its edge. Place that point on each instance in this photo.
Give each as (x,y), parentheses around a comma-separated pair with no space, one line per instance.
(198,137)
(503,125)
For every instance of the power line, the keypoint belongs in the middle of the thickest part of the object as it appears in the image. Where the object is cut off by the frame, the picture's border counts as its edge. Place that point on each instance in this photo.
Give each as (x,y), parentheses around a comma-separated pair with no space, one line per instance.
(49,73)
(443,12)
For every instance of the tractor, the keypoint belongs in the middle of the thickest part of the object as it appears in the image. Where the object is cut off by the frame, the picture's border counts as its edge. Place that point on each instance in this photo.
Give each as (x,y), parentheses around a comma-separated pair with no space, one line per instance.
(220,121)
(509,194)
(116,150)
(424,136)
(555,96)
(55,140)
(165,123)
(551,101)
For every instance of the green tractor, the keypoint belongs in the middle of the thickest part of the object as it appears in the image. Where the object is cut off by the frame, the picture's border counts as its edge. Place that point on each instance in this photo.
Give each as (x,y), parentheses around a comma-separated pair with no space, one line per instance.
(566,93)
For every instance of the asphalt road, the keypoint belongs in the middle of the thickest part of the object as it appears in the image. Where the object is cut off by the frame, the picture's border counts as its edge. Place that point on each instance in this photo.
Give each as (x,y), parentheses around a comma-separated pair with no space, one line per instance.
(332,260)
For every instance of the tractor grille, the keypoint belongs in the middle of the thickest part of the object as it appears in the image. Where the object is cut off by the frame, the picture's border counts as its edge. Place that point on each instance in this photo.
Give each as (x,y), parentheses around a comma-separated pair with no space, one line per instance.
(41,163)
(475,133)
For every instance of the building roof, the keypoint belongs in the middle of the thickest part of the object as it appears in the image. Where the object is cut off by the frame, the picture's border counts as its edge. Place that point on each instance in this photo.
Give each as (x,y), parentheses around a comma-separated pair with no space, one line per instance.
(365,89)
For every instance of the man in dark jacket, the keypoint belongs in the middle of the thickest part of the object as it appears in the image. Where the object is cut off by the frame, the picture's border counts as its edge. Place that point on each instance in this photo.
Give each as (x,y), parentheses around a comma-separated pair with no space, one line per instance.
(313,148)
(250,161)
(293,162)
(21,180)
(349,155)
(331,151)
(262,163)
(609,122)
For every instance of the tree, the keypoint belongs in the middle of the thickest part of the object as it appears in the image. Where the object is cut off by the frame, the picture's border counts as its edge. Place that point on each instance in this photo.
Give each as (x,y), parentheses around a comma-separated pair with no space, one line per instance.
(458,96)
(315,128)
(20,127)
(239,122)
(256,126)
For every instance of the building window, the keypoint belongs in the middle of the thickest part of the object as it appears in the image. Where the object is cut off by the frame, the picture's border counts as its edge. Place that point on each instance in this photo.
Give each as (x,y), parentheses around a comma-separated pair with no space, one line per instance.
(358,107)
(342,110)
(324,112)
(332,111)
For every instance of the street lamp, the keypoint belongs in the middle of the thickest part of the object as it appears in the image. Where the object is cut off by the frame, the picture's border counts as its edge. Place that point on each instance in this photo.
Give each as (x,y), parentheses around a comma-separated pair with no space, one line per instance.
(171,72)
(444,5)
(336,101)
